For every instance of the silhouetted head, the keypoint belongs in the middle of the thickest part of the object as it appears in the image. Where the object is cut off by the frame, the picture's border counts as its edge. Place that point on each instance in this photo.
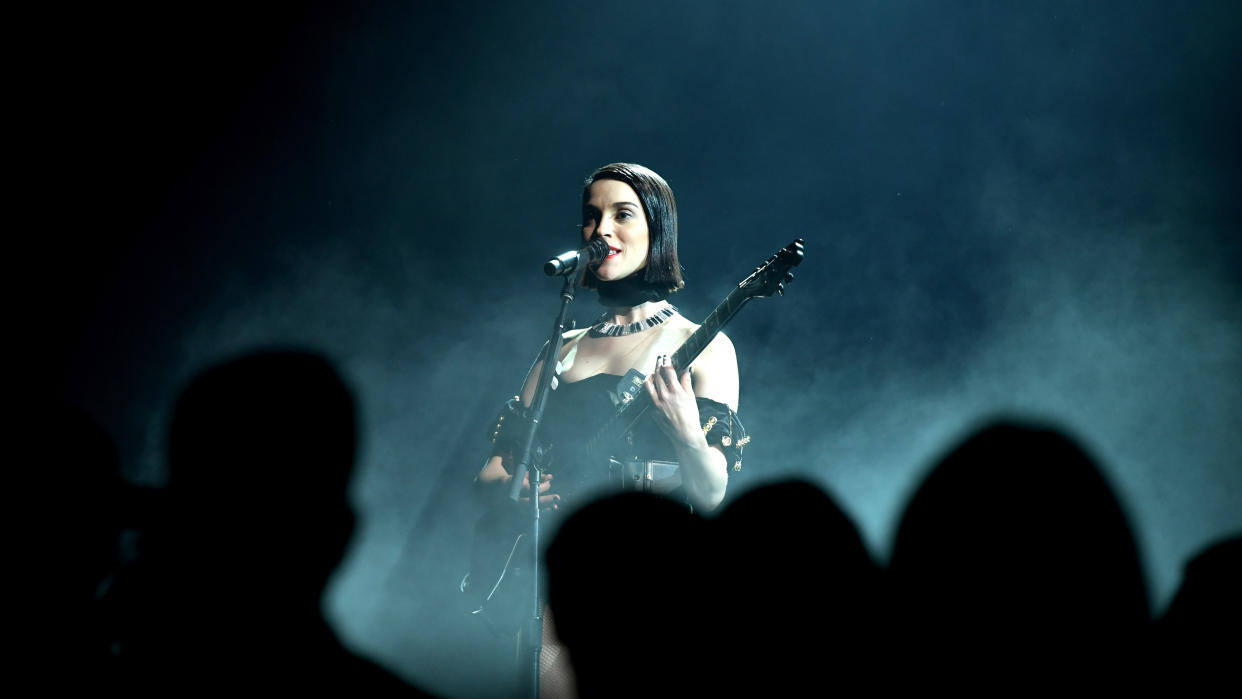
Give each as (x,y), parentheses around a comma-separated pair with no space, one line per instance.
(1015,546)
(261,453)
(626,576)
(788,549)
(1198,632)
(1207,603)
(806,539)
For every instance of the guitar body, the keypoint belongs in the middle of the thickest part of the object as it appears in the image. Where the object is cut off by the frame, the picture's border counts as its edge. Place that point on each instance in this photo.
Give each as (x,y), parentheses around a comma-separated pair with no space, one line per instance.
(498,584)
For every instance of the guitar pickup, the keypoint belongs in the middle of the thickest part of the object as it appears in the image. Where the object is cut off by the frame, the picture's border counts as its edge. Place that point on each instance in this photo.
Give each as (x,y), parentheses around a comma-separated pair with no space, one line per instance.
(630,386)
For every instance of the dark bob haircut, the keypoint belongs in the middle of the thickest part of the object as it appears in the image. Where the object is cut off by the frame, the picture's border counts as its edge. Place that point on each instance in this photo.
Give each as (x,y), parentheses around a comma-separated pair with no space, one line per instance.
(663,269)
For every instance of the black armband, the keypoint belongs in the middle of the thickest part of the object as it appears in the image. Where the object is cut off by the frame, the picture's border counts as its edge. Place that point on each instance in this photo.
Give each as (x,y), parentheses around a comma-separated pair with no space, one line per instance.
(507,430)
(723,429)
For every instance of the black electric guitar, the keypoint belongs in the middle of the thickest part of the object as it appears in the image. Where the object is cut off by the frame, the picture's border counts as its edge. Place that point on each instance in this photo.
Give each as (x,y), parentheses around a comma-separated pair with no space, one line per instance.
(496,546)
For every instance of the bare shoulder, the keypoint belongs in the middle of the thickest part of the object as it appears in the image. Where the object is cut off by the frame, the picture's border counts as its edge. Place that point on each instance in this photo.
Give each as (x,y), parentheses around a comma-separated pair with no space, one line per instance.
(720,349)
(680,326)
(718,358)
(715,370)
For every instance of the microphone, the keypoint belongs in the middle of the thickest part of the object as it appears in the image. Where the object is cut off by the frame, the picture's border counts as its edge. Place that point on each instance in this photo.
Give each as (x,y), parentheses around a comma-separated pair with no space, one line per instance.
(567,262)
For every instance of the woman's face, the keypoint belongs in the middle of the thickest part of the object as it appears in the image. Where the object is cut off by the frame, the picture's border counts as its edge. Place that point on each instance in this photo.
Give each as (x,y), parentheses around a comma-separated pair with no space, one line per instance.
(615,214)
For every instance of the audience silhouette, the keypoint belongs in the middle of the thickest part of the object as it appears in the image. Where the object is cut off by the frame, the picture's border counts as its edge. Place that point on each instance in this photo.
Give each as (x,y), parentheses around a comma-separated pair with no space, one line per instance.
(253,521)
(1014,567)
(626,585)
(1199,632)
(1013,570)
(801,591)
(651,600)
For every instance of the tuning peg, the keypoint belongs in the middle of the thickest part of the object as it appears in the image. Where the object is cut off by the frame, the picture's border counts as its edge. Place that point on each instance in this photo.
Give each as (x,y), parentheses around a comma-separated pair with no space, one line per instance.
(788,277)
(780,289)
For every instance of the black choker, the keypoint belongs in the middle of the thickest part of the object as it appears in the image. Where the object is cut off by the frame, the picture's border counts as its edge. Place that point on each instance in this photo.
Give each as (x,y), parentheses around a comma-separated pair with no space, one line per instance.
(629,292)
(605,329)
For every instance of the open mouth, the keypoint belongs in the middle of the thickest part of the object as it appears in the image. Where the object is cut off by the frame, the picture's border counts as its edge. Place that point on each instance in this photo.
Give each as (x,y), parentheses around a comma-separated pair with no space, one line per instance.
(612,252)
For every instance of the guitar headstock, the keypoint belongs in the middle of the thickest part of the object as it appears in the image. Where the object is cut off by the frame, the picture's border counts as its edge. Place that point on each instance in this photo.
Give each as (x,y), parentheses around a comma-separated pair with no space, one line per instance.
(772,276)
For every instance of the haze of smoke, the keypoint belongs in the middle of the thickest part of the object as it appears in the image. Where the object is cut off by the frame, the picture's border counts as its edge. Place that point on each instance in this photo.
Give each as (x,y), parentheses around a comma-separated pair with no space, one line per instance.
(1114,322)
(1118,328)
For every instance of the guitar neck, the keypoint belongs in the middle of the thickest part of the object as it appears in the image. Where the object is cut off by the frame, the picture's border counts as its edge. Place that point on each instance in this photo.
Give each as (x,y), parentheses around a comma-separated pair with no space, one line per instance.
(696,343)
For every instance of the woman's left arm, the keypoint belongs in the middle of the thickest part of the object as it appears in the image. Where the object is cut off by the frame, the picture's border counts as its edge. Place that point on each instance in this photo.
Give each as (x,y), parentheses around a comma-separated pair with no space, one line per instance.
(704,469)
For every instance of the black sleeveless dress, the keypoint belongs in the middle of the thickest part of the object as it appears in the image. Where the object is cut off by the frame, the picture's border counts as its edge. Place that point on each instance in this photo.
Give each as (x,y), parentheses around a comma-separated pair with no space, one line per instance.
(575,411)
(578,410)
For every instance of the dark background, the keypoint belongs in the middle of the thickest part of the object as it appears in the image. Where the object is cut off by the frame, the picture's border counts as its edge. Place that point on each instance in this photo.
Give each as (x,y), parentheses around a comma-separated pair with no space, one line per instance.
(1027,208)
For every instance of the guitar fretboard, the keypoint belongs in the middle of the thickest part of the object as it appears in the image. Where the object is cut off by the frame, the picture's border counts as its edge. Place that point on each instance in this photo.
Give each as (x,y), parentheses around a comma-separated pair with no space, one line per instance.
(696,343)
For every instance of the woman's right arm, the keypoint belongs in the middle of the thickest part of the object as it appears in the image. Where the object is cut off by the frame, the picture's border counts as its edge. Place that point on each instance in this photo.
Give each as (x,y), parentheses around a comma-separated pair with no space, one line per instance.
(493,479)
(494,471)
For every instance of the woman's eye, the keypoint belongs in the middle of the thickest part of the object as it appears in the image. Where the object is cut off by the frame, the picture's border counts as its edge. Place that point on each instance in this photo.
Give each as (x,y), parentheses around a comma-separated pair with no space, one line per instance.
(623,215)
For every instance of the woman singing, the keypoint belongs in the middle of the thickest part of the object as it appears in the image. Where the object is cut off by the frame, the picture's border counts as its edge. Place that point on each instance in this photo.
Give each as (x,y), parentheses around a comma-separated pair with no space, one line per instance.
(694,421)
(692,428)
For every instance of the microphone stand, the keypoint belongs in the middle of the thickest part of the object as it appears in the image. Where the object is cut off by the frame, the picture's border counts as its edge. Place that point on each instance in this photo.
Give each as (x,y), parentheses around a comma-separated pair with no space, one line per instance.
(532,467)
